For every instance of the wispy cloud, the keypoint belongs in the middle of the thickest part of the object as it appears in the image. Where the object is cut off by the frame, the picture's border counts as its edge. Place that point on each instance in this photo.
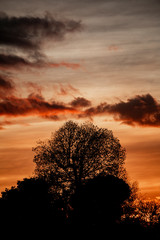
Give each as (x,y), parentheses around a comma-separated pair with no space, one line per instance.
(65,90)
(4,123)
(64,64)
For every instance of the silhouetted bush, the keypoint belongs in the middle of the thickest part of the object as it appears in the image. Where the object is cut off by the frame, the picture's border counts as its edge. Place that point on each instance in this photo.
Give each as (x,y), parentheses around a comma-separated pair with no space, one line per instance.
(30,205)
(98,202)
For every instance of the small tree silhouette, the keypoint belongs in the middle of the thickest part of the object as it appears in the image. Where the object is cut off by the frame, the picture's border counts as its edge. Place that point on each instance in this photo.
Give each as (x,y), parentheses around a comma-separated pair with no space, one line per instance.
(76,153)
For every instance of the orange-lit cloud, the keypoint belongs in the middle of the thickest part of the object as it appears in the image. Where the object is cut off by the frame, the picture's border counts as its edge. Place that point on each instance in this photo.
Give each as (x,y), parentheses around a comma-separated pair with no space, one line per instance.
(12,106)
(33,105)
(141,110)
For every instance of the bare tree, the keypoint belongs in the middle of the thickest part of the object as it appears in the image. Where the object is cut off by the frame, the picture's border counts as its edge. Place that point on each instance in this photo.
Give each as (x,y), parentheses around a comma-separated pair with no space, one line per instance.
(78,152)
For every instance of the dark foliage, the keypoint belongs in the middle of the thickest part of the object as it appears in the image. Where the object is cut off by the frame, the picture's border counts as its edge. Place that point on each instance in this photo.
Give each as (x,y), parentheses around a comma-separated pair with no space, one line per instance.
(98,202)
(94,210)
(30,206)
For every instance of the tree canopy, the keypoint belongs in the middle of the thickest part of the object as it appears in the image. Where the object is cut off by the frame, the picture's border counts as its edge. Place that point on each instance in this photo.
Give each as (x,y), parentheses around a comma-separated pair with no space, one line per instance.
(76,152)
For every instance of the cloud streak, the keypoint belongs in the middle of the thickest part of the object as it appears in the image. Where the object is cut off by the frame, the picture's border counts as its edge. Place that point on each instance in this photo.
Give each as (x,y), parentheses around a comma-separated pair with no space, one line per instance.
(64,64)
(17,62)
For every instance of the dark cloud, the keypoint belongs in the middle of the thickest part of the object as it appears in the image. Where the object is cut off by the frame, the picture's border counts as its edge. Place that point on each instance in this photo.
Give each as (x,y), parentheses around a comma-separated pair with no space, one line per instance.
(80,102)
(141,110)
(28,33)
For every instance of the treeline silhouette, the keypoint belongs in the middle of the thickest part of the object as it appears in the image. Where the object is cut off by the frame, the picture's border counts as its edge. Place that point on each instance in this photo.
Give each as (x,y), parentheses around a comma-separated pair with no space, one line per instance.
(96,207)
(80,188)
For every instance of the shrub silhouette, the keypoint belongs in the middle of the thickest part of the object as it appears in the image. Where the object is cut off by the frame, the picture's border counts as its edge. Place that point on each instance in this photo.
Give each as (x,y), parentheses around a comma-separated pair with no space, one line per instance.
(31,205)
(98,202)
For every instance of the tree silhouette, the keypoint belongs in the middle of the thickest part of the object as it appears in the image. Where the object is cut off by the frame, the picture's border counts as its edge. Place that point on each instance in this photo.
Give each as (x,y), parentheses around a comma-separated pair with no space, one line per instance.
(97,203)
(76,153)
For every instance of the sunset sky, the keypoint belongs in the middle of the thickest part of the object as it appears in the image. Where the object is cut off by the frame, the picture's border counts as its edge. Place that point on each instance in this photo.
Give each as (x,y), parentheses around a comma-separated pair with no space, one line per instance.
(88,60)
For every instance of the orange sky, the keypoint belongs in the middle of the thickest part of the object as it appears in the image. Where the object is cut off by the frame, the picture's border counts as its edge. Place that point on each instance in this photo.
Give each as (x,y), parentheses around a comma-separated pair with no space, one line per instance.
(96,61)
